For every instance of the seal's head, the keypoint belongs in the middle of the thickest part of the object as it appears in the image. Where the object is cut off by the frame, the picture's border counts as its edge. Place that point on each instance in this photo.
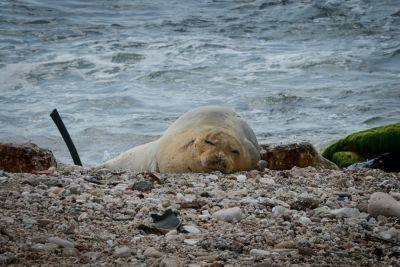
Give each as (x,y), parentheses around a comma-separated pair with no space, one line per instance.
(220,150)
(211,149)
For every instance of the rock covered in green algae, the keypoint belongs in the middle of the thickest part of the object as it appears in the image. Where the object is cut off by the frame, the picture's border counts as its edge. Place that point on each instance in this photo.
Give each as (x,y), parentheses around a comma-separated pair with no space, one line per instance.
(364,145)
(285,157)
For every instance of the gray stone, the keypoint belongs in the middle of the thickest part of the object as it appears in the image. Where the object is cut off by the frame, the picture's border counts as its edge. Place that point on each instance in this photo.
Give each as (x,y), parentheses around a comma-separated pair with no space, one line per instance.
(191,242)
(229,215)
(28,222)
(152,252)
(383,204)
(262,165)
(346,212)
(38,247)
(50,247)
(122,252)
(191,229)
(278,211)
(83,216)
(241,178)
(7,220)
(70,252)
(7,258)
(74,189)
(259,253)
(60,242)
(169,262)
(304,220)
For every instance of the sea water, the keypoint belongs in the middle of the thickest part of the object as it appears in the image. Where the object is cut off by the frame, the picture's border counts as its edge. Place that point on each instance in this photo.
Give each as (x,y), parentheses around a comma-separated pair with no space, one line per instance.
(120,72)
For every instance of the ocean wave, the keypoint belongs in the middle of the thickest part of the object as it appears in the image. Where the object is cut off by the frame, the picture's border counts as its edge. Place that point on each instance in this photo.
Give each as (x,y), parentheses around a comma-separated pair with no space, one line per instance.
(292,68)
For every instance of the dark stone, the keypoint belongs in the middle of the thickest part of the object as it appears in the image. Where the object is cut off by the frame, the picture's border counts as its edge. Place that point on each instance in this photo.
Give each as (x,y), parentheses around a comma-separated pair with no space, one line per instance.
(396,14)
(36,180)
(305,203)
(96,179)
(285,157)
(214,264)
(378,252)
(150,230)
(7,258)
(205,194)
(152,177)
(231,245)
(143,186)
(307,251)
(25,158)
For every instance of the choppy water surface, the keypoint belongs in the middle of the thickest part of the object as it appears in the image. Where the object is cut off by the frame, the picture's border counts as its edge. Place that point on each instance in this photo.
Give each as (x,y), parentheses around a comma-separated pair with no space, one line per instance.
(120,72)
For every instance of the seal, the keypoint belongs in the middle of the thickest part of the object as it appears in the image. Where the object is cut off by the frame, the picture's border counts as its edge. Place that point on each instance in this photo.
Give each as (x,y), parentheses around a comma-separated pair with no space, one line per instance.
(209,138)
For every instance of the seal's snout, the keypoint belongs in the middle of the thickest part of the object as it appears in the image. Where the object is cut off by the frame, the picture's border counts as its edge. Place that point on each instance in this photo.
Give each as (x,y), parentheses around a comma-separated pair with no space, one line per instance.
(217,162)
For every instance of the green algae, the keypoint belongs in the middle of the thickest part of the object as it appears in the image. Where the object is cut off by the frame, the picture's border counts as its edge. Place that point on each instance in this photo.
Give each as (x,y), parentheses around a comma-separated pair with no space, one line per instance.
(346,158)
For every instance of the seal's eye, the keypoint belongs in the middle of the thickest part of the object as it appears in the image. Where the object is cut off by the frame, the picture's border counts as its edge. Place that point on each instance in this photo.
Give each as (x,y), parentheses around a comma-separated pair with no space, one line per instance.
(235,151)
(209,142)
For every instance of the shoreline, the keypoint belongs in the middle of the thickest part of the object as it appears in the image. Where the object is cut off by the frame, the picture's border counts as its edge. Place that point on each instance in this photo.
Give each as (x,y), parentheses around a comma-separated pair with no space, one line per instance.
(78,215)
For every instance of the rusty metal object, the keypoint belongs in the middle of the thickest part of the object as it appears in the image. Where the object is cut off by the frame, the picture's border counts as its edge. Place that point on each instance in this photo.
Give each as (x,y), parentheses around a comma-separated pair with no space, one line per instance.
(25,158)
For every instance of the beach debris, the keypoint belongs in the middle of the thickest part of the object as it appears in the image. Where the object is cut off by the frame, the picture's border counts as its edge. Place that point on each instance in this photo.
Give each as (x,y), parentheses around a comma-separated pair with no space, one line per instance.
(167,221)
(162,224)
(388,162)
(383,204)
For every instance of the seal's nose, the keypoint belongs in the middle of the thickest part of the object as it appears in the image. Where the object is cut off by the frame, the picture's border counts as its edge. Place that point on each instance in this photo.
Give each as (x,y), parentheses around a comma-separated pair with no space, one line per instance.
(218,163)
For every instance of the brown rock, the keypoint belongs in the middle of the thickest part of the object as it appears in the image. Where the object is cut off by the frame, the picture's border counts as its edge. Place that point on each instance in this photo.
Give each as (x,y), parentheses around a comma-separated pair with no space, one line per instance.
(192,205)
(25,158)
(285,157)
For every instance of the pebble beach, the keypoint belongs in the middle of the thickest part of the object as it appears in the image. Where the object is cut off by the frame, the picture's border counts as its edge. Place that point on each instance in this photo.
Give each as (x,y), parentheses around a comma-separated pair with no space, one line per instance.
(305,216)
